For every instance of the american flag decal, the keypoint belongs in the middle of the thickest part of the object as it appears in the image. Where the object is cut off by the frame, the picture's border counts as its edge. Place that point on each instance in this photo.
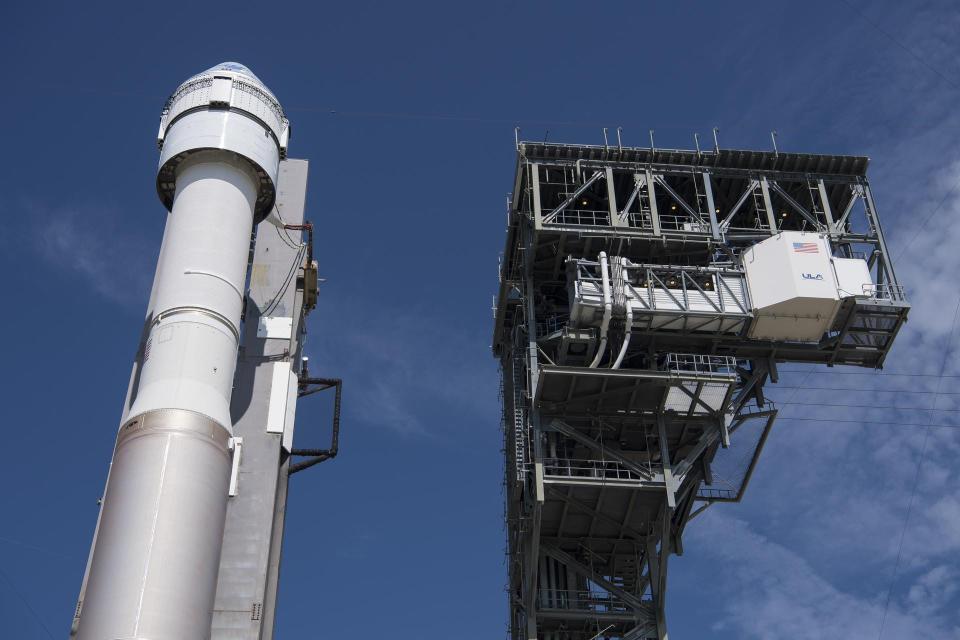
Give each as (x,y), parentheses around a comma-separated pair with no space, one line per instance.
(805,247)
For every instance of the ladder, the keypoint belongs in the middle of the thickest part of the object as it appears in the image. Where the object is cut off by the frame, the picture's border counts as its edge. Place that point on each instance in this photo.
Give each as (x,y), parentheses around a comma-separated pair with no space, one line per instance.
(643,219)
(519,418)
(760,207)
(625,571)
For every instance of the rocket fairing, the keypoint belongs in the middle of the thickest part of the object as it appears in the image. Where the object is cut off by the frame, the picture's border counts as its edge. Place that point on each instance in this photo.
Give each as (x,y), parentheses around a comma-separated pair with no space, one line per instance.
(153,567)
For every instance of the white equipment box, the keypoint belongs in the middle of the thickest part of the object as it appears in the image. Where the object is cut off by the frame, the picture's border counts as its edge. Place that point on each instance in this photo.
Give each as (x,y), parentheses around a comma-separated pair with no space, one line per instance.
(797,286)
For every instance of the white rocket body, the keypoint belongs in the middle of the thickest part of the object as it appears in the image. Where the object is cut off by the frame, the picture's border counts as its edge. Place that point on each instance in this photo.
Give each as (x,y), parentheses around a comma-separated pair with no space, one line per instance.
(153,568)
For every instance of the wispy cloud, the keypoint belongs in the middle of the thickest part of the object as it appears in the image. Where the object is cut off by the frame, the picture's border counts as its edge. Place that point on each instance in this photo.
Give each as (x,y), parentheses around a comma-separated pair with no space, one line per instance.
(813,548)
(776,594)
(91,246)
(410,370)
(835,496)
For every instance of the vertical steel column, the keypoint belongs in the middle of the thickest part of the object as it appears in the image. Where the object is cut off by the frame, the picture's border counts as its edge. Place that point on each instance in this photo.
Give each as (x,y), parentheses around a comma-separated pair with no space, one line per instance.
(652,197)
(612,200)
(534,169)
(530,598)
(768,205)
(825,203)
(875,223)
(711,208)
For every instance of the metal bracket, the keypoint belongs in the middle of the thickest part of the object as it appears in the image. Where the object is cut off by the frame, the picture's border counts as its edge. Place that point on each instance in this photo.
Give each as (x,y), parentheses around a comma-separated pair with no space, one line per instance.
(310,280)
(235,444)
(309,386)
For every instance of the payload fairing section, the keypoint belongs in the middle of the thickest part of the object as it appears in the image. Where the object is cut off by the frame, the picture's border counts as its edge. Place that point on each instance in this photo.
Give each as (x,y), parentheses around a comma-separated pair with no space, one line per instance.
(155,564)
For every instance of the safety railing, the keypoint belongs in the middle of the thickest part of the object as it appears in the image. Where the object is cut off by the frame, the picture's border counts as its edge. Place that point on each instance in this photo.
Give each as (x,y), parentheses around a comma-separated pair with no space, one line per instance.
(710,298)
(750,409)
(595,601)
(710,493)
(701,364)
(588,469)
(589,217)
(553,324)
(887,292)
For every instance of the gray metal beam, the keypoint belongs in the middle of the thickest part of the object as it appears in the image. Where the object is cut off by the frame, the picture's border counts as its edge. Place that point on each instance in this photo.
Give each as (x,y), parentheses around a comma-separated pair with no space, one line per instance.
(875,223)
(585,508)
(825,204)
(799,208)
(534,169)
(245,605)
(550,217)
(711,208)
(751,185)
(665,461)
(615,220)
(630,599)
(768,205)
(652,199)
(676,197)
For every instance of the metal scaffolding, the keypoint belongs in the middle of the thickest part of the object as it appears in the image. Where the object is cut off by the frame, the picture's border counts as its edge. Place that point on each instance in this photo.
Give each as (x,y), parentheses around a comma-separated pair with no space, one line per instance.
(632,389)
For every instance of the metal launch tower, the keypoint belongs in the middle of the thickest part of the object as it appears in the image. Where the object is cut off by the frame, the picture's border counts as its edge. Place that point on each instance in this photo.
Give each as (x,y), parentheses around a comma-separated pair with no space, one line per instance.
(646,297)
(188,542)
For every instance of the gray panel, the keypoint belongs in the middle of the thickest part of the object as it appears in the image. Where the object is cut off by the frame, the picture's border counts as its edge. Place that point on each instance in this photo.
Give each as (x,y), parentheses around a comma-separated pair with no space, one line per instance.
(249,563)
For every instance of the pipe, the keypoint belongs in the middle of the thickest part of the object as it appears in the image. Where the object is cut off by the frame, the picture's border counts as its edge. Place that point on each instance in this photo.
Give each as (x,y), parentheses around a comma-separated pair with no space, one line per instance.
(607,309)
(627,326)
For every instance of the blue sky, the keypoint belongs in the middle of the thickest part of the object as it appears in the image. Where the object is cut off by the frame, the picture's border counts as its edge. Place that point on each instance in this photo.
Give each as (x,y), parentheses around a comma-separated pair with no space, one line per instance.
(406,113)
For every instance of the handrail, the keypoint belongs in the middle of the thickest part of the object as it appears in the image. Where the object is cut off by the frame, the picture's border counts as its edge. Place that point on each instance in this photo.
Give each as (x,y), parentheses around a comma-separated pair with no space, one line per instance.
(588,468)
(598,601)
(696,363)
(885,292)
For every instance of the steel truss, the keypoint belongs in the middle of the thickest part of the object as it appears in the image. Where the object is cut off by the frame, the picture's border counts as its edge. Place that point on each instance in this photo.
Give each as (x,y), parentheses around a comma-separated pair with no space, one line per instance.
(609,456)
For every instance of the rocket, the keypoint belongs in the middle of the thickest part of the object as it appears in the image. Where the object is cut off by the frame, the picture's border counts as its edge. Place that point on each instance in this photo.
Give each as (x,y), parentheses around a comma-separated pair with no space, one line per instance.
(152,573)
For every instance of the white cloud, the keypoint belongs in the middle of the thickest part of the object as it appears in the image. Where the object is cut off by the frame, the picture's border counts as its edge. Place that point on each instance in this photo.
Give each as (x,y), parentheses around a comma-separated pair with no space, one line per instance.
(933,591)
(774,593)
(834,496)
(409,370)
(91,244)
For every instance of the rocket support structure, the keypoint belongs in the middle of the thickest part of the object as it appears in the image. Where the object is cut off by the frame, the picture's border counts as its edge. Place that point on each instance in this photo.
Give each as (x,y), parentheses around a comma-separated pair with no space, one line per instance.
(152,573)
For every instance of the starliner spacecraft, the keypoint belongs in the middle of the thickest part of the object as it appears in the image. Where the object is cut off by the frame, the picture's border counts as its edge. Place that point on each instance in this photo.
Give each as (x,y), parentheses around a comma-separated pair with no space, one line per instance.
(188,541)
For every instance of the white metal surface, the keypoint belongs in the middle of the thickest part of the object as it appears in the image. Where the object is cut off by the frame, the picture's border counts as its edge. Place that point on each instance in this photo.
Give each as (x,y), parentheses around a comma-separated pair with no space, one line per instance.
(607,307)
(290,416)
(154,565)
(853,278)
(279,394)
(792,287)
(702,300)
(236,445)
(226,108)
(275,327)
(153,568)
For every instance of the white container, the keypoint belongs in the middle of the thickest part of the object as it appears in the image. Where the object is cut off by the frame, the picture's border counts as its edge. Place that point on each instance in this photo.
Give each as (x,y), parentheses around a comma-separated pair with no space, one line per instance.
(792,287)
